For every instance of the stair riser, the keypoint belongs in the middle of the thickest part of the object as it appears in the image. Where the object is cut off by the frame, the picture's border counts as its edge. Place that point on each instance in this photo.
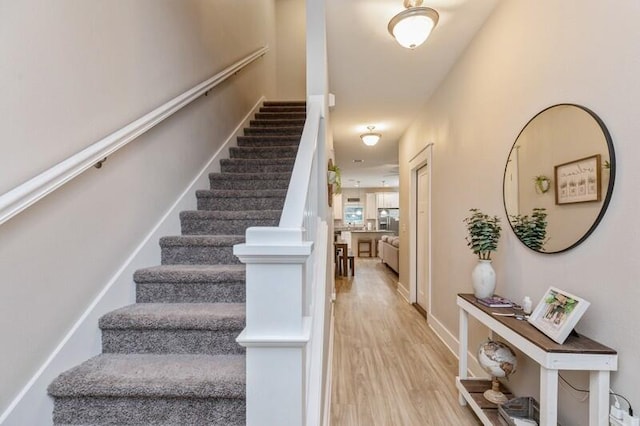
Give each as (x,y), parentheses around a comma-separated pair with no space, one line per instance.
(190,292)
(257,141)
(198,255)
(277,123)
(227,204)
(248,184)
(299,109)
(285,103)
(241,167)
(140,411)
(209,342)
(280,115)
(222,227)
(297,130)
(260,153)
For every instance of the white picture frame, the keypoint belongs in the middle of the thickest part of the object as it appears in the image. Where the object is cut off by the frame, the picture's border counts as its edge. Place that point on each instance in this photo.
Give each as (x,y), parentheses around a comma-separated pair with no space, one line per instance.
(557,313)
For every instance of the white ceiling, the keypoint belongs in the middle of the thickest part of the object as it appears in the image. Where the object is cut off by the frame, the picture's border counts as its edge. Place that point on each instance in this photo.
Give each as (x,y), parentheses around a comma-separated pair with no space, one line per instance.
(378,82)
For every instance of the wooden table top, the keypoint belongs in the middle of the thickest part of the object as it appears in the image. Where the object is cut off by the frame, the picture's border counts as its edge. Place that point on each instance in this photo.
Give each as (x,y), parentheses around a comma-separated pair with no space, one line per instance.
(573,344)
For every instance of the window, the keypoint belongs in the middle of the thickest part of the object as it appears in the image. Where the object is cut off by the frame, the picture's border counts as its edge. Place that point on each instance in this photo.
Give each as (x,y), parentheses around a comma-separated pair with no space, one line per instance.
(353,214)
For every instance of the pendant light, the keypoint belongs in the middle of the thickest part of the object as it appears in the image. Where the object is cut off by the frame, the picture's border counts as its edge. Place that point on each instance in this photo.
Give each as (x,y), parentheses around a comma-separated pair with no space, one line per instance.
(412,26)
(370,138)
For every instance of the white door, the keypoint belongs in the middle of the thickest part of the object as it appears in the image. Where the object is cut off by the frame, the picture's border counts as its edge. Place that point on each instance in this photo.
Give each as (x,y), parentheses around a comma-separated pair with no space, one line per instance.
(422,238)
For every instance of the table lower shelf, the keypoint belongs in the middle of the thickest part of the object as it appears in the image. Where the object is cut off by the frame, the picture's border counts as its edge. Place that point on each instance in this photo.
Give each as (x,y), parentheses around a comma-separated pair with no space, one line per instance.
(472,391)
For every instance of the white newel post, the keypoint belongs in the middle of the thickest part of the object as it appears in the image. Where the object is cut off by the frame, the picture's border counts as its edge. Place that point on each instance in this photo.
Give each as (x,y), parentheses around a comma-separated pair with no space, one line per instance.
(277,331)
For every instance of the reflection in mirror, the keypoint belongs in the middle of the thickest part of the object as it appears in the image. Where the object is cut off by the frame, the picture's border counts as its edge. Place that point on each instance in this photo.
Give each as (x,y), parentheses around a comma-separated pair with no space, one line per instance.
(559,178)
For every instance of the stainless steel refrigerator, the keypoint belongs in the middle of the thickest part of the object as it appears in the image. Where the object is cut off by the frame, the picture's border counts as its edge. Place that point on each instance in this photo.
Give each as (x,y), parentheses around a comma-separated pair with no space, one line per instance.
(388,220)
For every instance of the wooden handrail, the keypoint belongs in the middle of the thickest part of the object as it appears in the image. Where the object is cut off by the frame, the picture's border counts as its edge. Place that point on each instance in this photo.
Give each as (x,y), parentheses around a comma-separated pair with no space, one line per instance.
(26,194)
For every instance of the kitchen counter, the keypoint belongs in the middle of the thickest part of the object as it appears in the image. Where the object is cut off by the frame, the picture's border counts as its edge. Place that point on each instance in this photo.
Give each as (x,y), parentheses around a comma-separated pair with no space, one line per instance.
(352,237)
(372,232)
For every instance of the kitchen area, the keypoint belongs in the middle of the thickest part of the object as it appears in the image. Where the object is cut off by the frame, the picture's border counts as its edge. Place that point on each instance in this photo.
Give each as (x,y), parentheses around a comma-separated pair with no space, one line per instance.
(365,214)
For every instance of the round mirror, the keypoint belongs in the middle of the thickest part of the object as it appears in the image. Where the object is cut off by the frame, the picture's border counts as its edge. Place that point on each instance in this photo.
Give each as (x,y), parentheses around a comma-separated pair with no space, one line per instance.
(559,178)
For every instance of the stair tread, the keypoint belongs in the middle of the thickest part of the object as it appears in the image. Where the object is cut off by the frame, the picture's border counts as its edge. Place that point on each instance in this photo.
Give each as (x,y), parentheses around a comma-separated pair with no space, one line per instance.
(285,108)
(259,161)
(285,149)
(154,375)
(291,114)
(285,129)
(242,193)
(285,103)
(250,176)
(190,273)
(277,122)
(231,214)
(201,240)
(269,137)
(192,316)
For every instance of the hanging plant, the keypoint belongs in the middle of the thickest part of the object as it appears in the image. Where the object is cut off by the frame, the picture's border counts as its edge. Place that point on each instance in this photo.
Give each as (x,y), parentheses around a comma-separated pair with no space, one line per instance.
(542,183)
(334,178)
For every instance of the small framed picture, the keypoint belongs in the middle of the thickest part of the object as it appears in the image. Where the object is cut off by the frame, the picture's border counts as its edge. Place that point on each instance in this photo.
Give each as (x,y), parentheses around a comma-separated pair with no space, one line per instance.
(557,313)
(578,181)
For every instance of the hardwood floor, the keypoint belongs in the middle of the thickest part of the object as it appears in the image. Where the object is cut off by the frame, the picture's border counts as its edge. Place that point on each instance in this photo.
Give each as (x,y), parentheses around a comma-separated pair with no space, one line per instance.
(389,368)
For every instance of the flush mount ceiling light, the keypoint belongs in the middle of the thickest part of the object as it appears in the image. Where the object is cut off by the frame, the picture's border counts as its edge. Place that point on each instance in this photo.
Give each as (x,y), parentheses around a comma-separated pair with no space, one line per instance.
(370,138)
(412,26)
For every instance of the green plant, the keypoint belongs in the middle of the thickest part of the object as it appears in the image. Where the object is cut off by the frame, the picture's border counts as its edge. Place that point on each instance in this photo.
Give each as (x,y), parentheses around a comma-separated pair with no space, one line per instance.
(484,233)
(531,230)
(334,177)
(543,183)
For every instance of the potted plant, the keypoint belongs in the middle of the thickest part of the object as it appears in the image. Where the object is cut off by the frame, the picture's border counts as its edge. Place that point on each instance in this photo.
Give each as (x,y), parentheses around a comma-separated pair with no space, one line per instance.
(543,183)
(484,233)
(531,230)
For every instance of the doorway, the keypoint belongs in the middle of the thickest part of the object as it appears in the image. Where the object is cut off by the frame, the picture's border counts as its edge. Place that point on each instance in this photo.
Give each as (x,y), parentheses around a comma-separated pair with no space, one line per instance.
(422,239)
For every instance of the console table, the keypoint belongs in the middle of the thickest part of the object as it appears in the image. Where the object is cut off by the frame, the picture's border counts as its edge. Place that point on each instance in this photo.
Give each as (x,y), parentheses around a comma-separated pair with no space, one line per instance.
(577,353)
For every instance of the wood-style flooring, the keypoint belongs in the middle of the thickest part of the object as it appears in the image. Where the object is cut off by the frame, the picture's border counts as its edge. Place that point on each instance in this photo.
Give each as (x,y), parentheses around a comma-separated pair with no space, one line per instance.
(389,368)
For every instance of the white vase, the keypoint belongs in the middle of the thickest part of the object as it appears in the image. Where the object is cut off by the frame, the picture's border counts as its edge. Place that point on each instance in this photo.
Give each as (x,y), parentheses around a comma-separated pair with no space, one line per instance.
(484,279)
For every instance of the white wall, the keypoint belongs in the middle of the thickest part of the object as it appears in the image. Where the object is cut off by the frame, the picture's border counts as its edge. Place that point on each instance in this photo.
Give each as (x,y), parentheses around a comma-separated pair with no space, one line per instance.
(528,56)
(71,73)
(291,71)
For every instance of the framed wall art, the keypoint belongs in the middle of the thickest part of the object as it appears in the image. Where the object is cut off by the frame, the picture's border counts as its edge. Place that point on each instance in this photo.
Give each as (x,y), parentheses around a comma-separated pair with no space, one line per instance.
(578,181)
(557,313)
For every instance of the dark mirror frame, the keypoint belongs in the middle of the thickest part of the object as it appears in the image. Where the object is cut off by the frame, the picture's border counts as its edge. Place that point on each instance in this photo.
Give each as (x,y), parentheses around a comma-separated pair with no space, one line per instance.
(612,177)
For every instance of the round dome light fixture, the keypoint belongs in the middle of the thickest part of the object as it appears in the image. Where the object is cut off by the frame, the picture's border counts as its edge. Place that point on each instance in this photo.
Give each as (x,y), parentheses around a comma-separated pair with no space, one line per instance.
(412,26)
(370,138)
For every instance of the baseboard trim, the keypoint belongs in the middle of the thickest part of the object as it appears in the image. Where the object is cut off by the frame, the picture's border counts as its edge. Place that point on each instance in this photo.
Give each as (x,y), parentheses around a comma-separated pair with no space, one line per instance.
(326,415)
(32,406)
(452,343)
(420,310)
(403,292)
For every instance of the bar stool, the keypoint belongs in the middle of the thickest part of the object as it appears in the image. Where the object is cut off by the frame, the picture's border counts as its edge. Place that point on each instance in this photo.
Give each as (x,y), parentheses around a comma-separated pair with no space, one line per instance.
(352,265)
(368,250)
(341,258)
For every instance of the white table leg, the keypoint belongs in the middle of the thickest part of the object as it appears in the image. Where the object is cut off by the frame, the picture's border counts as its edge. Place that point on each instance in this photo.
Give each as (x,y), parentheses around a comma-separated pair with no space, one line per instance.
(548,397)
(462,351)
(598,398)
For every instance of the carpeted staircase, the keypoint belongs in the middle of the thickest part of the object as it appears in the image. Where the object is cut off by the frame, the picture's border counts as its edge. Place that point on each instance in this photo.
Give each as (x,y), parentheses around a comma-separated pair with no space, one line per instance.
(172,358)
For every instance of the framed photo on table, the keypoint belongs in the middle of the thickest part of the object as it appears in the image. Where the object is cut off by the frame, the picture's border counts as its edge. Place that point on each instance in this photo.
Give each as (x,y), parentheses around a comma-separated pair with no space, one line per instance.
(578,181)
(557,313)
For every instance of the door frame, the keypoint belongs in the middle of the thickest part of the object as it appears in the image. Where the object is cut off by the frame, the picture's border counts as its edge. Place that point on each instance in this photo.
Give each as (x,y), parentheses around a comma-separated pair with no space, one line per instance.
(423,158)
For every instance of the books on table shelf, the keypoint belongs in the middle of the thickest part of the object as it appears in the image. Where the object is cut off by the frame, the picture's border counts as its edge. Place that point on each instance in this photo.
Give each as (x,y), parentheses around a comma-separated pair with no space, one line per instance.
(496,302)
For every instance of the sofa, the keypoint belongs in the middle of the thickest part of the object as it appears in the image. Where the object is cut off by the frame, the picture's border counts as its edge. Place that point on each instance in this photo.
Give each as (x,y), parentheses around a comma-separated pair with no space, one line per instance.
(388,249)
